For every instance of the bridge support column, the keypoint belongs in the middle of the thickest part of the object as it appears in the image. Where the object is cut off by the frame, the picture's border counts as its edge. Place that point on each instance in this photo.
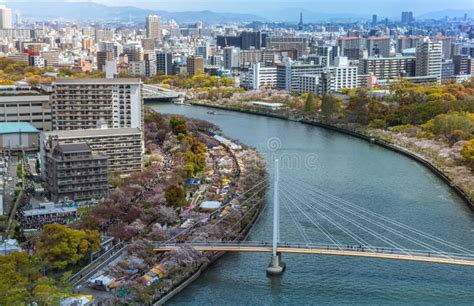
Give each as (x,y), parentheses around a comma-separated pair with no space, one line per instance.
(276,266)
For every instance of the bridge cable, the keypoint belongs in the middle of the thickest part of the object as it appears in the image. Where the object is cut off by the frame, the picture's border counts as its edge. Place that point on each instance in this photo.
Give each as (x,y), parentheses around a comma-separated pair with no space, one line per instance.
(354,236)
(364,228)
(389,220)
(293,217)
(381,225)
(318,226)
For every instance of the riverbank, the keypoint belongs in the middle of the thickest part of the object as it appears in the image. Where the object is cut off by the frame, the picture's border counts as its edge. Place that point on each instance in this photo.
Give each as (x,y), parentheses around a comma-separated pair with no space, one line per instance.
(361,134)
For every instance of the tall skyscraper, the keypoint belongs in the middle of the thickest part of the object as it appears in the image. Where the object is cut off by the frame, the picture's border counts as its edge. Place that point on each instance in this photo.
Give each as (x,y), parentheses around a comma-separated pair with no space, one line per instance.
(153,27)
(374,19)
(428,58)
(5,17)
(407,17)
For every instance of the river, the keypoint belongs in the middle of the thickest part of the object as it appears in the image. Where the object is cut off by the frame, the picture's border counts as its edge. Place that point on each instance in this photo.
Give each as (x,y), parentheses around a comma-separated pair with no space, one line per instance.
(367,175)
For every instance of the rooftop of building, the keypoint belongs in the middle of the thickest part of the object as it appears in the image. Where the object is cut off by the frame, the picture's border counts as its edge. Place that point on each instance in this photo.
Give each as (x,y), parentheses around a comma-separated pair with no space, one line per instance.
(4,97)
(98,81)
(74,147)
(93,132)
(16,127)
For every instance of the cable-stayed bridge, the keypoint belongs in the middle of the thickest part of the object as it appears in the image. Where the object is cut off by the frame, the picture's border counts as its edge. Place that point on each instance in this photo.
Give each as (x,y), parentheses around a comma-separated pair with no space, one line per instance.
(328,226)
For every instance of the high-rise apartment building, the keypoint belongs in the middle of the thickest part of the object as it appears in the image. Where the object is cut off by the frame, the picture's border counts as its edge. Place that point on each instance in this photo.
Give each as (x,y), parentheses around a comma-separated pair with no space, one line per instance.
(153,27)
(429,56)
(5,17)
(164,63)
(89,103)
(388,67)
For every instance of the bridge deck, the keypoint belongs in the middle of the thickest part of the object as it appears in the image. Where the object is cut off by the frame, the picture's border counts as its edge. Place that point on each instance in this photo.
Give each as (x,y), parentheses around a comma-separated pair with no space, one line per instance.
(445,258)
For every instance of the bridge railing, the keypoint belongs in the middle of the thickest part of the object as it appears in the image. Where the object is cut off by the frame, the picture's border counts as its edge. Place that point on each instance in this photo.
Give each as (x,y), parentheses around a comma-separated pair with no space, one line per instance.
(329,247)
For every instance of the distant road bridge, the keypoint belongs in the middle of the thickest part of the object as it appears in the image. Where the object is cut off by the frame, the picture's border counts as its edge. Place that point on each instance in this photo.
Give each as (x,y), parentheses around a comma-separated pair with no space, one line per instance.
(155,92)
(321,249)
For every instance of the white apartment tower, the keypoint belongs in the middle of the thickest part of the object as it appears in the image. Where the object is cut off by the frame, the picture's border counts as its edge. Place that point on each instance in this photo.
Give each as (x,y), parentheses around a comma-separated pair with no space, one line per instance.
(429,56)
(5,17)
(84,103)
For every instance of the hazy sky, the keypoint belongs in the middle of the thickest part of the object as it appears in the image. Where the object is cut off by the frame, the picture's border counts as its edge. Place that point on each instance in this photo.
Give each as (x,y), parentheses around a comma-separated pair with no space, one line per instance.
(366,7)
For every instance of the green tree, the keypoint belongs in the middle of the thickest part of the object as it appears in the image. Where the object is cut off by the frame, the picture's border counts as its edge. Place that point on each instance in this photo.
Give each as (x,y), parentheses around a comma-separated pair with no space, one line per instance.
(467,152)
(175,196)
(329,106)
(61,246)
(310,103)
(178,125)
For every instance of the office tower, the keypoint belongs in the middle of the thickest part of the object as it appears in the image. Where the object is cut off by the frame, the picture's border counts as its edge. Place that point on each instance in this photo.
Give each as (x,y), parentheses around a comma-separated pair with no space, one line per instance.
(83,103)
(299,44)
(195,65)
(203,51)
(447,70)
(64,179)
(388,67)
(251,40)
(134,51)
(249,57)
(329,52)
(113,47)
(374,19)
(351,46)
(428,59)
(407,17)
(153,27)
(5,17)
(462,64)
(231,57)
(102,58)
(378,46)
(164,63)
(446,45)
(229,41)
(406,42)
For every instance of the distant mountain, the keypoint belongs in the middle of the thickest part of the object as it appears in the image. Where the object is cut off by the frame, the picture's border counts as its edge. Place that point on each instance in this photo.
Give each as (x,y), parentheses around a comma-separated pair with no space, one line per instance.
(89,11)
(444,13)
(293,15)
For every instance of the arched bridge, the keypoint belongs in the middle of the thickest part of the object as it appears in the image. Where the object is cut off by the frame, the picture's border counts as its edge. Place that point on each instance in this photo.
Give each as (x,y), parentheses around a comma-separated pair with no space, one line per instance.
(155,92)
